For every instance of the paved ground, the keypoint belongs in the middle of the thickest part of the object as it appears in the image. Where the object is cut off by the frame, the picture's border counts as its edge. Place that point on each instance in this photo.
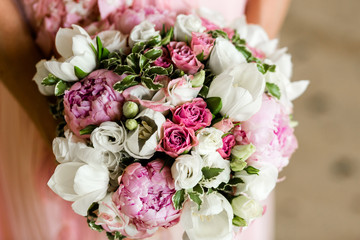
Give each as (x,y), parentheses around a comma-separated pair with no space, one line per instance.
(321,197)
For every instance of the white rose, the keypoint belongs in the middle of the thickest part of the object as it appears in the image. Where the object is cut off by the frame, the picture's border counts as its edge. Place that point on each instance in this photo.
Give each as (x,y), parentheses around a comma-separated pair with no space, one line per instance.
(142,32)
(114,40)
(214,160)
(109,136)
(240,88)
(210,140)
(81,183)
(74,45)
(246,208)
(186,171)
(141,142)
(224,55)
(185,25)
(213,16)
(65,148)
(181,91)
(259,186)
(212,222)
(41,73)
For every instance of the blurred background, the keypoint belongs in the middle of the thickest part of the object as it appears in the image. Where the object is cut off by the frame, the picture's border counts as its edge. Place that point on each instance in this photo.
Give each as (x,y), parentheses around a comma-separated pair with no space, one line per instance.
(320,198)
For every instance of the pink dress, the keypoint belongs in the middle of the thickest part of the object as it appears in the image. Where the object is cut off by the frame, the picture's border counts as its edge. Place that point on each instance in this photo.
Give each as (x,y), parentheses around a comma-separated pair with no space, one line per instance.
(29,209)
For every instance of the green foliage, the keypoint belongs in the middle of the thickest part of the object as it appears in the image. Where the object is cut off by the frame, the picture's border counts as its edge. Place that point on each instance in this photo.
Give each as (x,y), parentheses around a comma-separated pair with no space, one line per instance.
(88,129)
(195,197)
(209,173)
(79,73)
(214,104)
(178,199)
(239,222)
(273,89)
(251,170)
(50,80)
(60,87)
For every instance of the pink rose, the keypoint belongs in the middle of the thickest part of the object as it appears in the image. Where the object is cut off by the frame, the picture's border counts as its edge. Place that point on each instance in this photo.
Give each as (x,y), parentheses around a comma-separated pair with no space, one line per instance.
(163,61)
(183,57)
(193,114)
(176,139)
(224,125)
(209,25)
(270,131)
(228,144)
(145,197)
(93,101)
(202,42)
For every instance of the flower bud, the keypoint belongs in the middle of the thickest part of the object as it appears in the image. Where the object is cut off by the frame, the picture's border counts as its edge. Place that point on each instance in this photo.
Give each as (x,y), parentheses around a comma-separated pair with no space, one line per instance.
(239,154)
(199,79)
(131,124)
(246,208)
(130,109)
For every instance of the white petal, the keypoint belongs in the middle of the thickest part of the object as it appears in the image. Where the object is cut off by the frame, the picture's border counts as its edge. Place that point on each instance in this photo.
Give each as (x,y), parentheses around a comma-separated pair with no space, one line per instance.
(41,73)
(295,89)
(91,178)
(81,205)
(62,70)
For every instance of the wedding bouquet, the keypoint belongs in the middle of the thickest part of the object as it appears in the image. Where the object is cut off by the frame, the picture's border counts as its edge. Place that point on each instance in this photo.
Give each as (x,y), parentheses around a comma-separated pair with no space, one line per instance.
(189,124)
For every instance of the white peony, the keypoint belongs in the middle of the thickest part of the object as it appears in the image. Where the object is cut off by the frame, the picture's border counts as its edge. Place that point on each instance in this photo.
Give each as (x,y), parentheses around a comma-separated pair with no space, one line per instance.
(141,142)
(186,171)
(142,32)
(41,73)
(210,140)
(74,45)
(114,40)
(240,88)
(259,186)
(109,136)
(246,208)
(66,148)
(212,222)
(185,25)
(214,160)
(224,55)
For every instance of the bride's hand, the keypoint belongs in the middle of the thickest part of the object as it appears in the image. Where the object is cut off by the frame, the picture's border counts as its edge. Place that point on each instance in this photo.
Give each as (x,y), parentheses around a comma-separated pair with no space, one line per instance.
(18,56)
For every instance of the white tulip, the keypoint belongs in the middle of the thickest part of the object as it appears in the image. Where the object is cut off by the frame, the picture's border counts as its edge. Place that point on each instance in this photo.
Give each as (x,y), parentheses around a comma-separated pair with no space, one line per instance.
(246,208)
(210,140)
(240,88)
(74,45)
(41,73)
(212,222)
(185,25)
(114,40)
(259,186)
(142,32)
(141,142)
(186,171)
(214,160)
(109,136)
(224,55)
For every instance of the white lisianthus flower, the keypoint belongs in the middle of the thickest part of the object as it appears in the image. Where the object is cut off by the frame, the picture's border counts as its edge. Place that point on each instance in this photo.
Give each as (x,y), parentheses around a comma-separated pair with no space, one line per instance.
(65,148)
(181,91)
(259,186)
(185,25)
(211,15)
(212,222)
(74,45)
(246,208)
(224,55)
(41,73)
(240,88)
(114,40)
(186,171)
(214,160)
(142,32)
(141,142)
(210,140)
(109,136)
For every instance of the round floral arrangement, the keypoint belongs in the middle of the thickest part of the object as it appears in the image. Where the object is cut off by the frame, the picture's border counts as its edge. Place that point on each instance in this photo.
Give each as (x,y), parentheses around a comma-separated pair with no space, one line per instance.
(189,124)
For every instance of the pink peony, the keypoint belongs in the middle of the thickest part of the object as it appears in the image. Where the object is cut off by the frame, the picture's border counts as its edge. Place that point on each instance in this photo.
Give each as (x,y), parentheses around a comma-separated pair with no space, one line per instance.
(163,61)
(202,42)
(270,131)
(224,125)
(145,197)
(184,58)
(193,114)
(93,101)
(127,20)
(176,139)
(228,144)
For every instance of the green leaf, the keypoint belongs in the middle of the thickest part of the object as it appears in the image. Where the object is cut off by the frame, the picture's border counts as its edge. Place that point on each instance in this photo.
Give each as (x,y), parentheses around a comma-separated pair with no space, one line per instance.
(88,129)
(50,80)
(177,74)
(148,82)
(156,71)
(218,33)
(60,88)
(153,54)
(195,197)
(80,73)
(198,189)
(94,227)
(204,91)
(168,37)
(99,48)
(154,41)
(247,54)
(214,104)
(251,170)
(273,89)
(124,69)
(210,173)
(178,199)
(133,61)
(105,53)
(170,69)
(200,56)
(127,82)
(238,221)
(235,181)
(94,49)
(144,63)
(270,68)
(138,47)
